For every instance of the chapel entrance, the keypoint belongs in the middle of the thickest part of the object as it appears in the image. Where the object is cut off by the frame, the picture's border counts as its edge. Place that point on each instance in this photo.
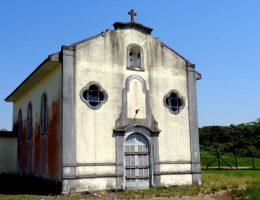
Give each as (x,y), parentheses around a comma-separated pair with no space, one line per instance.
(137,170)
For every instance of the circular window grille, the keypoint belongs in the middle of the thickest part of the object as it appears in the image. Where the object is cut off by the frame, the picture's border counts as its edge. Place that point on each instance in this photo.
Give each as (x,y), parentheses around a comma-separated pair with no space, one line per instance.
(174,102)
(93,95)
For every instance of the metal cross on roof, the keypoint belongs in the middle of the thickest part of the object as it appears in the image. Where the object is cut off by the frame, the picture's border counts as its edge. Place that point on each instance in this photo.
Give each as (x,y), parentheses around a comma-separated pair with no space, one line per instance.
(133,14)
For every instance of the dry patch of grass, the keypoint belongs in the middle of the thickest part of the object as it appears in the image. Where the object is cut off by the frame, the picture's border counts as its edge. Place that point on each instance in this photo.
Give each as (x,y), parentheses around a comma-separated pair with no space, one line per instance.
(212,181)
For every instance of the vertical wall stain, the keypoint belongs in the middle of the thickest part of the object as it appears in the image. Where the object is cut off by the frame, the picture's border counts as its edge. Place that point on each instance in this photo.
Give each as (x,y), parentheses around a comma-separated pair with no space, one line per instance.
(54,154)
(36,149)
(22,151)
(41,155)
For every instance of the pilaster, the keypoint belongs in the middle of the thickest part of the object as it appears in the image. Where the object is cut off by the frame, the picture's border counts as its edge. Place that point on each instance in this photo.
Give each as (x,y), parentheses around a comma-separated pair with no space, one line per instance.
(192,76)
(68,107)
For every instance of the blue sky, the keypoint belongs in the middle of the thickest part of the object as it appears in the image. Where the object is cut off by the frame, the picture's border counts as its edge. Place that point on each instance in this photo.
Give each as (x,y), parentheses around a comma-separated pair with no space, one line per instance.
(221,37)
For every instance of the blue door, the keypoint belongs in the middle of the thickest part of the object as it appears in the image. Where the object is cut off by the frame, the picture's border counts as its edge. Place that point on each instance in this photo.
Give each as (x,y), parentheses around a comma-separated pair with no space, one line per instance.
(137,167)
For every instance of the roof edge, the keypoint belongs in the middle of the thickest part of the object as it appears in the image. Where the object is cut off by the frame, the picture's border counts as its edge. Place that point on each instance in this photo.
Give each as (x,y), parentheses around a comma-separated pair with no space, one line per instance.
(88,39)
(191,66)
(171,49)
(133,25)
(55,57)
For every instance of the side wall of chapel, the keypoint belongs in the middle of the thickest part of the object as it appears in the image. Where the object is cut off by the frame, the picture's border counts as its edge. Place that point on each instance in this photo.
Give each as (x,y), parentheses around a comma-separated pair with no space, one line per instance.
(41,154)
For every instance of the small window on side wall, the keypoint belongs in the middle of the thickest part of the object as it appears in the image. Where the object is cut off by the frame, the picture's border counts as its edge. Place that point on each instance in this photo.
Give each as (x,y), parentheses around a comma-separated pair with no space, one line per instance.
(29,121)
(93,95)
(44,115)
(135,57)
(174,101)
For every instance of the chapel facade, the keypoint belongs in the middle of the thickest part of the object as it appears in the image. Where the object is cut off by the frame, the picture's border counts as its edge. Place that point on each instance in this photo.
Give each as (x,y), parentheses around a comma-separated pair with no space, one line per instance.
(115,111)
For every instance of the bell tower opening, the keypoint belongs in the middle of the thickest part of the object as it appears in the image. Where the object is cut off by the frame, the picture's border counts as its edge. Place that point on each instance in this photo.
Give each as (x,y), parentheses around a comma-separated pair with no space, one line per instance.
(134,57)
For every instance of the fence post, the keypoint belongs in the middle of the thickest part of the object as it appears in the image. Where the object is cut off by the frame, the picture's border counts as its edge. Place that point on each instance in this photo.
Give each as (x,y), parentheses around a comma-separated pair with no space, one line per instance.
(218,155)
(236,157)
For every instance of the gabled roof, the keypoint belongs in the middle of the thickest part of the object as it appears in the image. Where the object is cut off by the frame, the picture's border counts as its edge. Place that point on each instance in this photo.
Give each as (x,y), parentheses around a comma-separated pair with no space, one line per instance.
(87,39)
(34,76)
(124,26)
(45,65)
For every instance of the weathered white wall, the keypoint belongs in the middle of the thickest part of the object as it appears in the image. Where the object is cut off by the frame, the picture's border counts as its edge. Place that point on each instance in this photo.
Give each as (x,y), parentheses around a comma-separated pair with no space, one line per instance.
(8,155)
(41,155)
(49,83)
(175,167)
(136,100)
(168,71)
(183,179)
(104,60)
(89,184)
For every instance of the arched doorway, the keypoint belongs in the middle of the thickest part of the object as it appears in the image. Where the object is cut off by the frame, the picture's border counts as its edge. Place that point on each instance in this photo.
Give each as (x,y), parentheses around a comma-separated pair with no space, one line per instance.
(137,159)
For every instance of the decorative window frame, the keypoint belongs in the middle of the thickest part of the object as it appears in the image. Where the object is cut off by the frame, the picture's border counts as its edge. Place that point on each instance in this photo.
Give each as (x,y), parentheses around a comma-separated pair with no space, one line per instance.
(100,89)
(44,115)
(29,119)
(20,126)
(141,68)
(179,96)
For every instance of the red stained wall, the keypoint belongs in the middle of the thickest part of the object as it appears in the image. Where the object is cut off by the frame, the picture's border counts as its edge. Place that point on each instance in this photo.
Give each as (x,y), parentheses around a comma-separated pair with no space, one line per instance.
(41,156)
(54,141)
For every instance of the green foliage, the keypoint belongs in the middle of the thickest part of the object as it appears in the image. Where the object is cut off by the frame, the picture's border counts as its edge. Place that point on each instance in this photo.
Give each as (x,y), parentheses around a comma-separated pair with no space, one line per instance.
(245,138)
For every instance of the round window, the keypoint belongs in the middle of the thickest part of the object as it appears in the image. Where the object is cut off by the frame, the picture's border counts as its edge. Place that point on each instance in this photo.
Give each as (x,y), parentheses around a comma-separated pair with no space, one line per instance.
(93,95)
(174,102)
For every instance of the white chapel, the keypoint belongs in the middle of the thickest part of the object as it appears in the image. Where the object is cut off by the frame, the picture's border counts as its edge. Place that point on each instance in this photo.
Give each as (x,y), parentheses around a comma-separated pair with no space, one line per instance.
(114,111)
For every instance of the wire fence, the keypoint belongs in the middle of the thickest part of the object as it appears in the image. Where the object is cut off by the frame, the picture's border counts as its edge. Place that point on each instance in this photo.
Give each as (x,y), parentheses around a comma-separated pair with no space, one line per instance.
(238,159)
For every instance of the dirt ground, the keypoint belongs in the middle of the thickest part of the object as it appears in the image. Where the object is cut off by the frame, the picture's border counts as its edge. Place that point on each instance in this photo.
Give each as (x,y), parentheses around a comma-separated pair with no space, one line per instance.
(221,195)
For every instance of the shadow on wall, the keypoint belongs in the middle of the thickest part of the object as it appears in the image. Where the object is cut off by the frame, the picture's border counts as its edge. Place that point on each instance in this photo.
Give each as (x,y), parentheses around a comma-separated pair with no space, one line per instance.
(18,184)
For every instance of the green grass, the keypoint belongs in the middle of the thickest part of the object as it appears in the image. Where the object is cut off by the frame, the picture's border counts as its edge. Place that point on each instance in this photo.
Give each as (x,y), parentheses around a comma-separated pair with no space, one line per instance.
(25,197)
(242,184)
(252,192)
(239,182)
(207,157)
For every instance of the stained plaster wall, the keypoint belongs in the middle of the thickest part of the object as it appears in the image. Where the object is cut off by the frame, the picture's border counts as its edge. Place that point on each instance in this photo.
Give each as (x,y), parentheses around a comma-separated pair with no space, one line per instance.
(8,154)
(45,150)
(104,60)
